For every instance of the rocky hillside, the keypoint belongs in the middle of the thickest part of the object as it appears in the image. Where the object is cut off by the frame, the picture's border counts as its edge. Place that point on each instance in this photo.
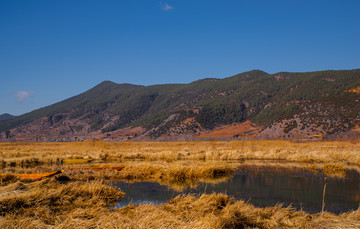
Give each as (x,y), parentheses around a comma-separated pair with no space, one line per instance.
(322,104)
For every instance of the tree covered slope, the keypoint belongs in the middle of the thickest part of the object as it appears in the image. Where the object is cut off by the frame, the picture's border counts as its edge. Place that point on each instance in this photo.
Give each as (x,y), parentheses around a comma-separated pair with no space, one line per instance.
(283,105)
(6,116)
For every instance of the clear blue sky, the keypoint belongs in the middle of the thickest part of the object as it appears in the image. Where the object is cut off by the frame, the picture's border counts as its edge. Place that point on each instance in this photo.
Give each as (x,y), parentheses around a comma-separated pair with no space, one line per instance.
(51,50)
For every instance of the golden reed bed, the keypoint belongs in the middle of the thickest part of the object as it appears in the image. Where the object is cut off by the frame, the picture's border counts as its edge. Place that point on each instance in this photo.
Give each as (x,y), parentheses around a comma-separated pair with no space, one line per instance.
(56,153)
(84,198)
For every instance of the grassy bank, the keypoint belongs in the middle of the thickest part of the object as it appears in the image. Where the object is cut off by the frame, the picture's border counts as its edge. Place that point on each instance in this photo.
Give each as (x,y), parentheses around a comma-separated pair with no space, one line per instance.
(177,175)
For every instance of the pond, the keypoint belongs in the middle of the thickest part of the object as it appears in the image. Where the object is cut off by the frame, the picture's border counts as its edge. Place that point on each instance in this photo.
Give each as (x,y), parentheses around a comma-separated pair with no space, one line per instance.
(263,186)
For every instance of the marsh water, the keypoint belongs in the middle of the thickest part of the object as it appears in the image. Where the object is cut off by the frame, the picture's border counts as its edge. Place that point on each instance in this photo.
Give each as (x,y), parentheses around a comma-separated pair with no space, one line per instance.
(262,186)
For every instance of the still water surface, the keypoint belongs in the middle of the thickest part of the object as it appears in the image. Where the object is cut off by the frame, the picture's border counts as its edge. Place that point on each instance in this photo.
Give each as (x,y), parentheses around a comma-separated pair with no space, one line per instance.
(263,186)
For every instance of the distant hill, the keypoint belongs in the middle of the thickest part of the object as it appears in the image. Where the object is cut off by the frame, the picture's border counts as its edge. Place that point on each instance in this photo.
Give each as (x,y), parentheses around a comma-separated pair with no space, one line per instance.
(282,105)
(6,116)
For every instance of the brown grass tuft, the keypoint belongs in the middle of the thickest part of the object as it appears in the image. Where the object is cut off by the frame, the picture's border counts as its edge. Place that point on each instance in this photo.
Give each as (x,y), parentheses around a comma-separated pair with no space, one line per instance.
(24,199)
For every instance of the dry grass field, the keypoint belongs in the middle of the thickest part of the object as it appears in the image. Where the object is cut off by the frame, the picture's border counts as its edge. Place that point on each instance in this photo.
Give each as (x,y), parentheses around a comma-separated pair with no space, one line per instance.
(54,153)
(82,197)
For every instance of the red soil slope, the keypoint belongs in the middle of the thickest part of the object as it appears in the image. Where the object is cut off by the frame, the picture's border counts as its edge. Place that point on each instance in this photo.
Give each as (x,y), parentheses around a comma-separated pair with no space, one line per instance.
(246,129)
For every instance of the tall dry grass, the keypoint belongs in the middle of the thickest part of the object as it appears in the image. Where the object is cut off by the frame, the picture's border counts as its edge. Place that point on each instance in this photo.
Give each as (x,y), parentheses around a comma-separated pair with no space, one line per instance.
(84,202)
(21,198)
(171,161)
(44,203)
(28,154)
(205,211)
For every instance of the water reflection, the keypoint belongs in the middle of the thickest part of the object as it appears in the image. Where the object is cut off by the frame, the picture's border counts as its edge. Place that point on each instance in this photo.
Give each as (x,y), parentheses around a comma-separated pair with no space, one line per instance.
(262,186)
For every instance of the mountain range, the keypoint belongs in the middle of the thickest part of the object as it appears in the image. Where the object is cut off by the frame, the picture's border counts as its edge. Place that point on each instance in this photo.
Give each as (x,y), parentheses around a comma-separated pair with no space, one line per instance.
(254,104)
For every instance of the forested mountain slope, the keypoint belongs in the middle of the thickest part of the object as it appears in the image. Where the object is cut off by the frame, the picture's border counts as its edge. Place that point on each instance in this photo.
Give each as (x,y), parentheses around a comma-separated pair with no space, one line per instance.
(281,105)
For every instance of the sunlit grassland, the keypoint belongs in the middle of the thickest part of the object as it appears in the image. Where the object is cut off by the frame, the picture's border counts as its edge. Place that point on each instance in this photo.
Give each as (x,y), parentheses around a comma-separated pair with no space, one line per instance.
(49,153)
(177,164)
(84,197)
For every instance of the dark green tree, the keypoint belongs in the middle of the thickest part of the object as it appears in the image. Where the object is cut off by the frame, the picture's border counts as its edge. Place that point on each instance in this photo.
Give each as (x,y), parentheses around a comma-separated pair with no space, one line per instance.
(8,134)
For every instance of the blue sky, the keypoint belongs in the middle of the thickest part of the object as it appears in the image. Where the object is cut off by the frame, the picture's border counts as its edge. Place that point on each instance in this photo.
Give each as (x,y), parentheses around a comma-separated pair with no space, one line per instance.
(51,50)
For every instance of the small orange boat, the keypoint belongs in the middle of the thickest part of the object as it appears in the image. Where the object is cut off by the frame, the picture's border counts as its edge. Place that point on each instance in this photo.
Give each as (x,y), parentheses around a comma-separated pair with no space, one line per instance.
(38,176)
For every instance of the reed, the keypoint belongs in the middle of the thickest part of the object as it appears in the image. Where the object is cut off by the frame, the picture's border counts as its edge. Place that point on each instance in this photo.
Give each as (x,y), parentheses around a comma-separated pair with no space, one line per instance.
(205,211)
(19,196)
(85,200)
(323,199)
(33,154)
